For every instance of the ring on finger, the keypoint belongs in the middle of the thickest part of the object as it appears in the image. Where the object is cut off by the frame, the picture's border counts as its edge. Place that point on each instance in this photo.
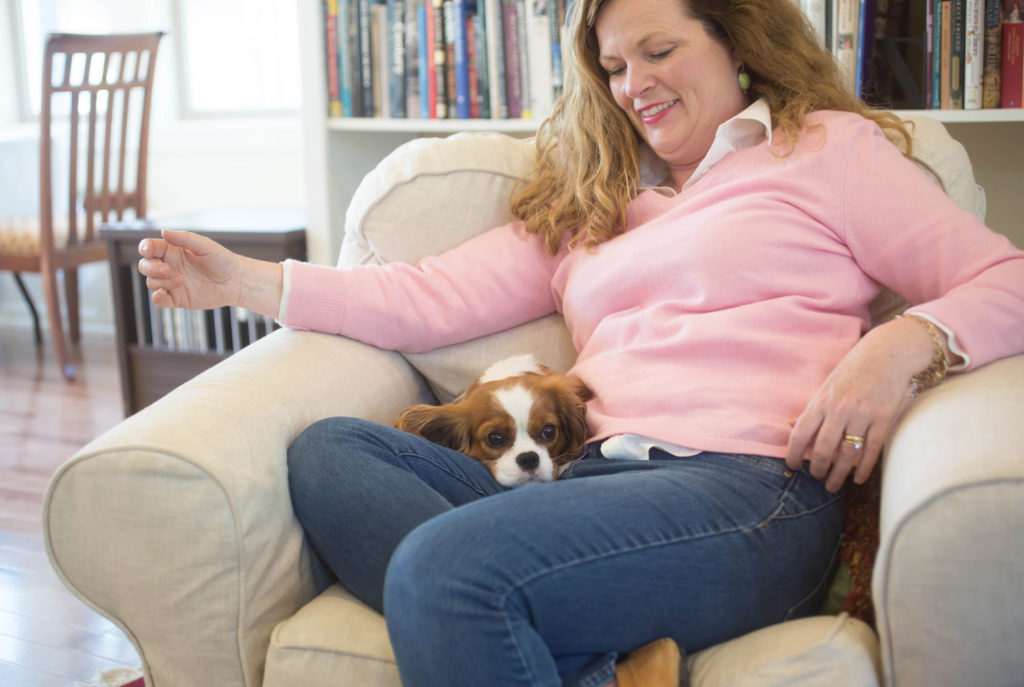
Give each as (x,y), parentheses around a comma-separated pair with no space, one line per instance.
(854,440)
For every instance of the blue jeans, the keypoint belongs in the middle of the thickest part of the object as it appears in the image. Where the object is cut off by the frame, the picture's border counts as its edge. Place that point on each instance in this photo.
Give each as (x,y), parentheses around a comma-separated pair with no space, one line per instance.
(548,584)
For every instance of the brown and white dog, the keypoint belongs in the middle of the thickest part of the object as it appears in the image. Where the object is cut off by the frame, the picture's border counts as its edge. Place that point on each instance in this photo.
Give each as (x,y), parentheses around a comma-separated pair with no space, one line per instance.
(522,420)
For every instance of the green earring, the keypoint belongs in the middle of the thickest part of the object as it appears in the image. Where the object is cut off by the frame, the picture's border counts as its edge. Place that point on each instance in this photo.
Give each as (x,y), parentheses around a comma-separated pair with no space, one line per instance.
(744,80)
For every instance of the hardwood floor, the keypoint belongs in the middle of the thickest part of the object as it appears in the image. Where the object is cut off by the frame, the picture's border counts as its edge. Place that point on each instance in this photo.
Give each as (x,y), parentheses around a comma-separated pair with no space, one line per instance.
(47,636)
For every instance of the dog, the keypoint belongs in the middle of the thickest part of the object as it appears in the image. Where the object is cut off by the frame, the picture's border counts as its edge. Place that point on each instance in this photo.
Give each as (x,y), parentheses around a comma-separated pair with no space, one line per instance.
(522,420)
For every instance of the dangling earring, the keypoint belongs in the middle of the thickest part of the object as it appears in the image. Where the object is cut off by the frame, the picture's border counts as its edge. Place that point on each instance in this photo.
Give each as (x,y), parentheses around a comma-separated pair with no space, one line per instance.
(744,79)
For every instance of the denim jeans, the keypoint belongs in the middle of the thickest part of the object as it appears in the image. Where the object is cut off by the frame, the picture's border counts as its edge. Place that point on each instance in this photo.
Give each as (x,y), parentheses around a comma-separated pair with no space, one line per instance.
(547,584)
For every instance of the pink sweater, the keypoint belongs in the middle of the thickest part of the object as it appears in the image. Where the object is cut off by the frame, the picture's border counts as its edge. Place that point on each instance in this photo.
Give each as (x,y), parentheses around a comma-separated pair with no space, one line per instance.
(712,321)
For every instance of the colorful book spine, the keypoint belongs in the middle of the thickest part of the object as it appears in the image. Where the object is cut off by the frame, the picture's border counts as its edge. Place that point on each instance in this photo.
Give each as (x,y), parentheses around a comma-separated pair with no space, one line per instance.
(479,57)
(974,53)
(513,76)
(345,56)
(957,60)
(1013,59)
(440,63)
(460,49)
(331,41)
(944,23)
(991,87)
(412,60)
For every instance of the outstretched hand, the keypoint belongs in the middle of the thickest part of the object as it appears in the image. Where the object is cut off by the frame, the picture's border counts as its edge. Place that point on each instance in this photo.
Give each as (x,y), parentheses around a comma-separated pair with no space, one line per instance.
(186,270)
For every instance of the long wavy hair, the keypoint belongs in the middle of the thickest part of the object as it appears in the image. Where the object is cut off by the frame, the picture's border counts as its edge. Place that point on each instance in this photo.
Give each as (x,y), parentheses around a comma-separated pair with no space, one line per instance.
(588,166)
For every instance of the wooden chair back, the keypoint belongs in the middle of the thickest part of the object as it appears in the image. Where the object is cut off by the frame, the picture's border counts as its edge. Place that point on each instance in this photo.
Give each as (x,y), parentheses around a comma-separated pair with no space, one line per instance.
(105,84)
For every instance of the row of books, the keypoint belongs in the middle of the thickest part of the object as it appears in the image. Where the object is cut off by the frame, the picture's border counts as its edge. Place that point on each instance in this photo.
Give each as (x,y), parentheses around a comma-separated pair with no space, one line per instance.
(221,330)
(926,54)
(438,59)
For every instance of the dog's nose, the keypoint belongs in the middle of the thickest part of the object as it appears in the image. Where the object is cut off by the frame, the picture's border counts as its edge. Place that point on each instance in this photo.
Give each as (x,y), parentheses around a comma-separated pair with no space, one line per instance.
(528,461)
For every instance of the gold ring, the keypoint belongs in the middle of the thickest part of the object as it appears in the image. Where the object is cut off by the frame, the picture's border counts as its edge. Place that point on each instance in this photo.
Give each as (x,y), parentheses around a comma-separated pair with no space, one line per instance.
(857,442)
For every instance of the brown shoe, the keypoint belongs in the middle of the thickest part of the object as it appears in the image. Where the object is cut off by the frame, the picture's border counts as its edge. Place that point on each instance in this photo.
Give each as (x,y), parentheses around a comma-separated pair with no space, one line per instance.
(653,665)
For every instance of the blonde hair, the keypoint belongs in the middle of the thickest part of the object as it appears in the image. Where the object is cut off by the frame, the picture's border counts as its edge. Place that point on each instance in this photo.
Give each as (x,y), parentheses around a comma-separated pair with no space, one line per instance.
(588,167)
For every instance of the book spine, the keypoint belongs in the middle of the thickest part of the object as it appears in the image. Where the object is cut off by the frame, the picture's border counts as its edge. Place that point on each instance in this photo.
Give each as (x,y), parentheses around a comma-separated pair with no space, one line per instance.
(865,43)
(958,42)
(848,12)
(334,108)
(460,49)
(990,87)
(381,59)
(524,59)
(513,78)
(345,55)
(974,28)
(396,53)
(429,103)
(448,11)
(1013,64)
(945,56)
(496,59)
(539,57)
(412,60)
(440,63)
(366,58)
(481,62)
(555,28)
(928,79)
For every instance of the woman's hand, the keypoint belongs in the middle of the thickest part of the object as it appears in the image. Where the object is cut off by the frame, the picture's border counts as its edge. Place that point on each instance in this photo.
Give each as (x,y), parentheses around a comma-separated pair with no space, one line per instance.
(862,397)
(186,270)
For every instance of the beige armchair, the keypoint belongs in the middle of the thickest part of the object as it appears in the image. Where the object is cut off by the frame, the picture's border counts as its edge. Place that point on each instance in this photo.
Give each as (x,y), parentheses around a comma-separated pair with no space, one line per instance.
(177,525)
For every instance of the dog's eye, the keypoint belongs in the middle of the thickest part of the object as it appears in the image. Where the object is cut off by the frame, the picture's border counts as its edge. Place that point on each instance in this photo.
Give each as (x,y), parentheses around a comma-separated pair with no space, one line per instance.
(548,433)
(495,439)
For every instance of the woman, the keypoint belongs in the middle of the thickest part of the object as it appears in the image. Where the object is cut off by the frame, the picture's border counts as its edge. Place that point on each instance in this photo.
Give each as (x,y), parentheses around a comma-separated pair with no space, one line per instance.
(717,295)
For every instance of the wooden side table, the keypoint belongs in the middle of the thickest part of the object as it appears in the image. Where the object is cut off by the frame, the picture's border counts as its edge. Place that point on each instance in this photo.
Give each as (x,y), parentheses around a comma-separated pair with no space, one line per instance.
(159,348)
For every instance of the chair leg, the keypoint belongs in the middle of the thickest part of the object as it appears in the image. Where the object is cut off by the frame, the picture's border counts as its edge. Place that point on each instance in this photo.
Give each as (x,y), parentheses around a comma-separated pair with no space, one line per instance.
(60,348)
(71,299)
(31,307)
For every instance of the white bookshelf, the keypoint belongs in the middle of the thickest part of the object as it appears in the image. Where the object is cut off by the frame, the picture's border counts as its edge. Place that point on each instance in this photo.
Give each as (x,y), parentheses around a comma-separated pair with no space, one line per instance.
(341,151)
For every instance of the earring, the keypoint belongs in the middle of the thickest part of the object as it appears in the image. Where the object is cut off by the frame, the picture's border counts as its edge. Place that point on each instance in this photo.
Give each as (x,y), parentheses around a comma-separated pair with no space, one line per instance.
(744,79)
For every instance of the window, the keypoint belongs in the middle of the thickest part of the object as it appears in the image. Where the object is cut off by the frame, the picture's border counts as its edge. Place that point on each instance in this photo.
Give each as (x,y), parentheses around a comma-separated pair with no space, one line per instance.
(233,56)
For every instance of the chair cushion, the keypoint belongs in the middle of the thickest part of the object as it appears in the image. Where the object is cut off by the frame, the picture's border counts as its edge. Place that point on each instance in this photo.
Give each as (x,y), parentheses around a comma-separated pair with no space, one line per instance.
(19,236)
(335,641)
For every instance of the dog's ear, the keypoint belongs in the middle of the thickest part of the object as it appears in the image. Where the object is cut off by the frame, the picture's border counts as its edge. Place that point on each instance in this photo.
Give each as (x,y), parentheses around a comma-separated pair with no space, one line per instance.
(443,425)
(577,386)
(572,413)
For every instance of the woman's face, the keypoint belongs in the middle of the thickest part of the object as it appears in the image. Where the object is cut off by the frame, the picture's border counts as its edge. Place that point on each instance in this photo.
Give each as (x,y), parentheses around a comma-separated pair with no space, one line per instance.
(673,80)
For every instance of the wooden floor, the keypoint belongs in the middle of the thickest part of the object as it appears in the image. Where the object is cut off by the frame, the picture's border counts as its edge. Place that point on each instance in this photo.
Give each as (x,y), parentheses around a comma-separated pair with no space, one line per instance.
(47,636)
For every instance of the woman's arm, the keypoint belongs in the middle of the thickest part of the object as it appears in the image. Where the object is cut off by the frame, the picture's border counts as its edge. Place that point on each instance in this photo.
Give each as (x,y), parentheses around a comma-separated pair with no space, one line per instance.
(186,270)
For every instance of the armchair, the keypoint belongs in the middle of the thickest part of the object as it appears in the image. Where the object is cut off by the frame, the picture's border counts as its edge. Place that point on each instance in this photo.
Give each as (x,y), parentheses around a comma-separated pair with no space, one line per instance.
(176,524)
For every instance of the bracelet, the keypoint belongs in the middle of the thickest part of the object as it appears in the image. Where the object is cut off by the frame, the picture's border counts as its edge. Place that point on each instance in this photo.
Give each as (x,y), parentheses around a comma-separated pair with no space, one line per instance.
(939,367)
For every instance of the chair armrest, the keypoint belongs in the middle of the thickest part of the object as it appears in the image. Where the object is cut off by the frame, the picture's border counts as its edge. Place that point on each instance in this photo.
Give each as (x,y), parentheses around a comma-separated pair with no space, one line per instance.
(177,523)
(946,581)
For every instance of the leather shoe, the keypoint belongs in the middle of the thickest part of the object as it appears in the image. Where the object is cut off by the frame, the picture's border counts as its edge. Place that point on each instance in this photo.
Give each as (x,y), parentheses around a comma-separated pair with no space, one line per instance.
(657,664)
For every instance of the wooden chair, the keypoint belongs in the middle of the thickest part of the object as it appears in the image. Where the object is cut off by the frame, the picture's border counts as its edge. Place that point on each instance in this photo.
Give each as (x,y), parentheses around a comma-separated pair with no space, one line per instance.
(97,91)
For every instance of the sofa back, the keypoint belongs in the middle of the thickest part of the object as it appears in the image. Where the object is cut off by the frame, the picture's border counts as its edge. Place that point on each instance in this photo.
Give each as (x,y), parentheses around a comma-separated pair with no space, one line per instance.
(433,193)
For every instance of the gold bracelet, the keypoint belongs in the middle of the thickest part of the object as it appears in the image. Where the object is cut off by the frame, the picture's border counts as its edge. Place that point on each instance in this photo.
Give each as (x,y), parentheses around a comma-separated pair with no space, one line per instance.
(939,367)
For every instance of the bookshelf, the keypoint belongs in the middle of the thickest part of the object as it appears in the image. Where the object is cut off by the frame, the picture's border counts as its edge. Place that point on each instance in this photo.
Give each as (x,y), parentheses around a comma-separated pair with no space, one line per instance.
(341,151)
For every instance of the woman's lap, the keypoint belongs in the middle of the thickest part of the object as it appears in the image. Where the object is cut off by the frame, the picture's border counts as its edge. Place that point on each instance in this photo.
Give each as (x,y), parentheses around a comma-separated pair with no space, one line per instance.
(558,578)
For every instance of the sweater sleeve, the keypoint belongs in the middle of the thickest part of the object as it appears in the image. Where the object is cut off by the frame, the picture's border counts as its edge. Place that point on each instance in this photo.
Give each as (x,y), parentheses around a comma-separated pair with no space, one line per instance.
(489,283)
(907,234)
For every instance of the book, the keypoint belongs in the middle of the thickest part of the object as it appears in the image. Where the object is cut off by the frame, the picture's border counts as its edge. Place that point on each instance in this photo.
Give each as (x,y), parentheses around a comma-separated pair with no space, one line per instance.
(522,28)
(974,31)
(457,47)
(479,57)
(1012,86)
(334,108)
(990,88)
(365,46)
(440,62)
(412,59)
(815,11)
(396,45)
(381,59)
(957,46)
(345,57)
(944,24)
(513,70)
(538,40)
(496,58)
(556,10)
(847,38)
